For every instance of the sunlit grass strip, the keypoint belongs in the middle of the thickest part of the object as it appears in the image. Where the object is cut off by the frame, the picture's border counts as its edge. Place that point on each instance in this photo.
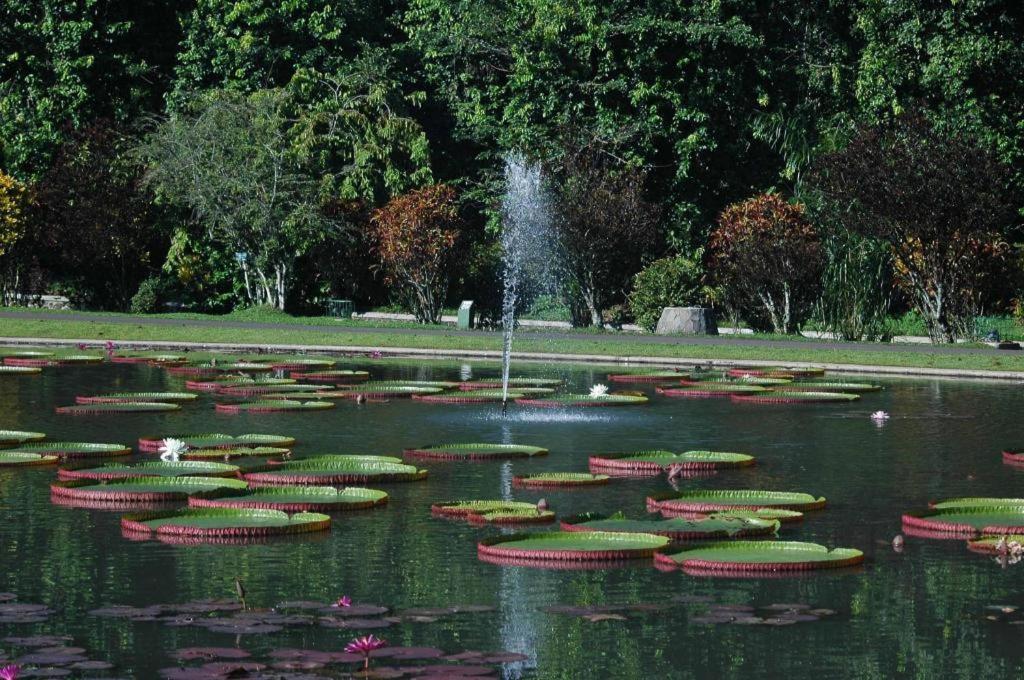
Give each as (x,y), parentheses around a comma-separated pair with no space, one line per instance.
(655,462)
(559,479)
(147,489)
(224,523)
(135,397)
(150,469)
(795,398)
(273,406)
(591,546)
(151,444)
(75,449)
(118,407)
(677,529)
(155,359)
(738,557)
(475,451)
(717,500)
(582,400)
(299,499)
(23,458)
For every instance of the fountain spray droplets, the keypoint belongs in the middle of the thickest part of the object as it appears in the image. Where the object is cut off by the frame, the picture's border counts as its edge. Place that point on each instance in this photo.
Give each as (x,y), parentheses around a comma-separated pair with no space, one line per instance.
(526,246)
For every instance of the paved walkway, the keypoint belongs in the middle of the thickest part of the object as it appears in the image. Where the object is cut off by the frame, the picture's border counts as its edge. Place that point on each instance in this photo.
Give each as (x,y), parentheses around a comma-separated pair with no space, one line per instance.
(634,340)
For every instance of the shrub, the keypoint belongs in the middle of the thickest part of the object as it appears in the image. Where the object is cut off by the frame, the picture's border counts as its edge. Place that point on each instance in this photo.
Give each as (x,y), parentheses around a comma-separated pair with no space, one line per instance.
(147,299)
(668,282)
(768,259)
(13,198)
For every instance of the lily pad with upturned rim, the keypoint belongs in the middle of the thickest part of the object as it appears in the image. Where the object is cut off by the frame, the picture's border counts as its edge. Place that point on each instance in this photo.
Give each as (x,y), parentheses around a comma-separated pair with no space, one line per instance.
(493,512)
(516,382)
(75,449)
(757,382)
(475,451)
(975,502)
(583,400)
(22,459)
(646,376)
(796,398)
(214,384)
(303,364)
(717,500)
(151,469)
(710,390)
(134,397)
(387,390)
(822,386)
(654,462)
(468,397)
(147,489)
(677,528)
(152,444)
(760,557)
(332,470)
(235,452)
(965,521)
(559,479)
(20,370)
(120,407)
(300,499)
(18,437)
(224,522)
(742,371)
(273,406)
(583,546)
(989,545)
(261,389)
(336,376)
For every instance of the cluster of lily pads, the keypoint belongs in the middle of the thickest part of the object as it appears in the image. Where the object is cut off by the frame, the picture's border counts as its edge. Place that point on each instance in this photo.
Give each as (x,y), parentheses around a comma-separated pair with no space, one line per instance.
(991,526)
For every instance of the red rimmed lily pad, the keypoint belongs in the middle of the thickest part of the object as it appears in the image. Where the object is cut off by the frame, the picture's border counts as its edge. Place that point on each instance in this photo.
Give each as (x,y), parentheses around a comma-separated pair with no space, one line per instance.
(717,500)
(336,377)
(796,398)
(333,470)
(119,407)
(965,521)
(646,376)
(478,451)
(513,383)
(583,400)
(388,389)
(20,370)
(152,469)
(217,441)
(263,388)
(23,459)
(494,512)
(273,406)
(74,449)
(678,529)
(225,523)
(299,499)
(135,397)
(468,397)
(711,390)
(147,489)
(233,453)
(572,546)
(216,383)
(19,437)
(559,479)
(756,557)
(655,462)
(768,372)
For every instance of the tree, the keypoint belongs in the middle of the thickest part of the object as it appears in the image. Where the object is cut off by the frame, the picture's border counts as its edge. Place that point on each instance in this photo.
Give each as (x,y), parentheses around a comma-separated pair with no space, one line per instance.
(939,201)
(768,259)
(230,159)
(92,221)
(605,229)
(13,204)
(416,236)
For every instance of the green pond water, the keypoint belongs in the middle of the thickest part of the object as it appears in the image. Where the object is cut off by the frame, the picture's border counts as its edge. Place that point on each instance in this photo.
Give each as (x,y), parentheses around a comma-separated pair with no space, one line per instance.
(916,613)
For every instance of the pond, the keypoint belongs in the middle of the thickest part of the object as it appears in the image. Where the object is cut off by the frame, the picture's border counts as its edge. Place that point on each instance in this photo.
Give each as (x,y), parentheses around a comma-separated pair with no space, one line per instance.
(921,611)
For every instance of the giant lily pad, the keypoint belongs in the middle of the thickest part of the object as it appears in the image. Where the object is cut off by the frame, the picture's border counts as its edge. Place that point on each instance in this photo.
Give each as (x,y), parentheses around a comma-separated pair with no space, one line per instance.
(582,546)
(151,469)
(224,522)
(75,449)
(994,545)
(20,458)
(646,376)
(975,502)
(710,390)
(337,377)
(17,437)
(302,364)
(144,358)
(214,384)
(754,557)
(133,397)
(677,528)
(559,479)
(468,397)
(576,400)
(147,489)
(123,407)
(299,499)
(258,389)
(475,451)
(715,500)
(331,470)
(217,441)
(273,405)
(1013,457)
(966,521)
(495,383)
(743,372)
(494,512)
(20,370)
(653,462)
(235,452)
(823,386)
(760,382)
(386,389)
(796,398)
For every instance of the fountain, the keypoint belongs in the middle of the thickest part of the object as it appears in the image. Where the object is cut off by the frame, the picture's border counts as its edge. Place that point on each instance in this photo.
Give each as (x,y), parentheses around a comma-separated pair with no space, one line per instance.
(526,241)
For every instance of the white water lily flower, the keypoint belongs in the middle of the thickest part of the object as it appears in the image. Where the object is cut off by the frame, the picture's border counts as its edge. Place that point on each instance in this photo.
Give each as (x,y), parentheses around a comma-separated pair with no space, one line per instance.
(879,415)
(171,449)
(598,391)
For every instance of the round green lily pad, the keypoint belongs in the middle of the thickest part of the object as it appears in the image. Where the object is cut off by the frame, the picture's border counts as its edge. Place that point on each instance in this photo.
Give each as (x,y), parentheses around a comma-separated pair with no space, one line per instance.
(211,441)
(822,386)
(710,390)
(21,458)
(71,359)
(306,396)
(235,452)
(993,545)
(215,384)
(133,397)
(468,397)
(559,479)
(147,489)
(331,470)
(676,528)
(20,370)
(16,437)
(575,400)
(743,372)
(224,522)
(261,388)
(494,512)
(715,500)
(151,469)
(299,499)
(966,521)
(302,364)
(144,358)
(778,514)
(654,462)
(338,377)
(475,451)
(273,405)
(120,407)
(975,502)
(495,383)
(385,389)
(758,557)
(75,449)
(796,397)
(646,376)
(572,546)
(28,354)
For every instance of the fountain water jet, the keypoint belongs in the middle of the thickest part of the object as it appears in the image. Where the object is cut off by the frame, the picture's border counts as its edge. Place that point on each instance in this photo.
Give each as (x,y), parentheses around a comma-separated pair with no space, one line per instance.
(526,243)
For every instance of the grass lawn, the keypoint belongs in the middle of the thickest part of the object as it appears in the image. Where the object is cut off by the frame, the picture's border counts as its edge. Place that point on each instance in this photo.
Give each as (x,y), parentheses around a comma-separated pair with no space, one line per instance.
(99,327)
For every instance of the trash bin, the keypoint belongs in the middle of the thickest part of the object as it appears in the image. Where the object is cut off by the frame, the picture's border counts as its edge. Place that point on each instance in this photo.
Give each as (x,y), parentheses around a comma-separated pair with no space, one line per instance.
(342,309)
(466,313)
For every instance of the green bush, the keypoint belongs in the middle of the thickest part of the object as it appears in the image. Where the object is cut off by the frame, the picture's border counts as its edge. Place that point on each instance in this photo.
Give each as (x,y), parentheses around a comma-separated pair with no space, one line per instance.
(147,298)
(669,282)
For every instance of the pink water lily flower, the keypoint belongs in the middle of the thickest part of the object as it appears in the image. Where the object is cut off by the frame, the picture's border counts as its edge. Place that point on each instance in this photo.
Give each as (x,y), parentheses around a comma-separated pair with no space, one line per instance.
(10,672)
(343,601)
(364,645)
